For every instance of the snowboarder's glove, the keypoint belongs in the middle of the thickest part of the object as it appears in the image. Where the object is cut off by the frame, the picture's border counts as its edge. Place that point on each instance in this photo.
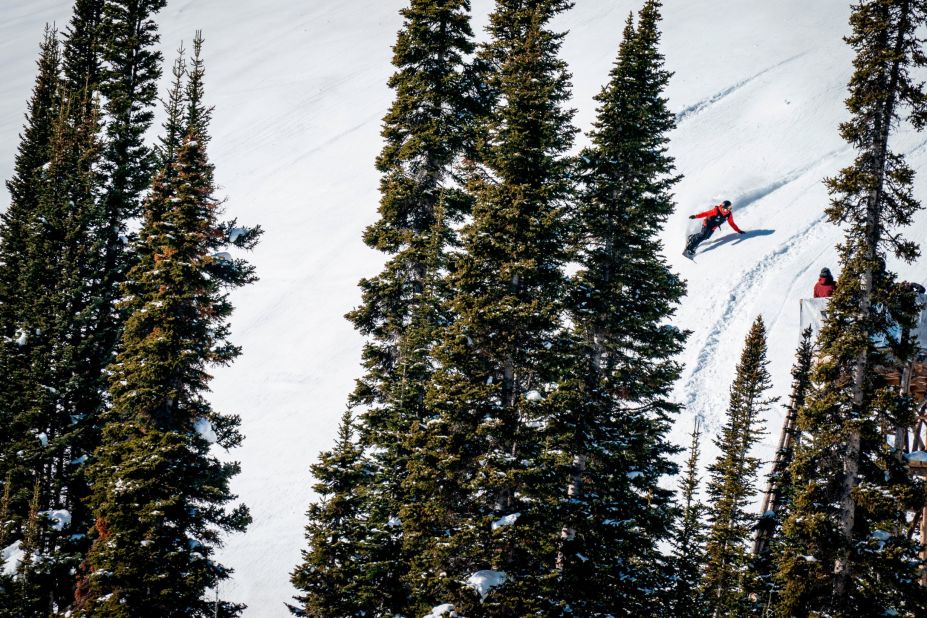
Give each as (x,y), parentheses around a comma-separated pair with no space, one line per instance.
(741,232)
(691,216)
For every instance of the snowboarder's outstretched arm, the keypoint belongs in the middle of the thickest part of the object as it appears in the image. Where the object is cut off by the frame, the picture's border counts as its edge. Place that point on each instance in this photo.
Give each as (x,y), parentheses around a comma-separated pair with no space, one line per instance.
(730,220)
(703,215)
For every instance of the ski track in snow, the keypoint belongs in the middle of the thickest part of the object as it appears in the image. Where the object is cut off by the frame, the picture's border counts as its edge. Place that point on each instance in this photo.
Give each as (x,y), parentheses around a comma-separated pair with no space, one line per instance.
(751,279)
(753,196)
(699,107)
(707,359)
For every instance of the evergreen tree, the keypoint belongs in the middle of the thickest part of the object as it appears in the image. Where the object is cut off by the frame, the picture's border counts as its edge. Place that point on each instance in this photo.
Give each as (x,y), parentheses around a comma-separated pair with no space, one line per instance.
(425,132)
(726,581)
(330,576)
(131,68)
(63,259)
(174,122)
(846,550)
(20,446)
(490,488)
(82,55)
(52,256)
(780,489)
(160,497)
(617,403)
(685,599)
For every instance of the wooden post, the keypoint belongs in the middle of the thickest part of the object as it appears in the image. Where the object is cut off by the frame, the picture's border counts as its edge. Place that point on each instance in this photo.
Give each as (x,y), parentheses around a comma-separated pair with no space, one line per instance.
(924,544)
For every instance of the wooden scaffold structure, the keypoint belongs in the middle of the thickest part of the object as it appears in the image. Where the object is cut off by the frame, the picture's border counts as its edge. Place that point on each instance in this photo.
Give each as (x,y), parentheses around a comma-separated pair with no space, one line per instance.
(911,379)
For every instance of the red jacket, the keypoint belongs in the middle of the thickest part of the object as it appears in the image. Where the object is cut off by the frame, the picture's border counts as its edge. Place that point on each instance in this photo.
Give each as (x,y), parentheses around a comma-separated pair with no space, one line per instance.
(824,288)
(716,218)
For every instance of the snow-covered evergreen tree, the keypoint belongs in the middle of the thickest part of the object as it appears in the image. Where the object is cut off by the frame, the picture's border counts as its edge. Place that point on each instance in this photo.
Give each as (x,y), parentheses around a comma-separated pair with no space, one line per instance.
(82,58)
(727,575)
(846,549)
(616,404)
(688,557)
(780,488)
(50,249)
(20,446)
(160,496)
(334,581)
(492,483)
(425,132)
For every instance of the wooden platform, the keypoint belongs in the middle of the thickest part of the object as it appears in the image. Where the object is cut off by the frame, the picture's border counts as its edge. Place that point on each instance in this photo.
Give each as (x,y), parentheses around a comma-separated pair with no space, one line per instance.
(918,379)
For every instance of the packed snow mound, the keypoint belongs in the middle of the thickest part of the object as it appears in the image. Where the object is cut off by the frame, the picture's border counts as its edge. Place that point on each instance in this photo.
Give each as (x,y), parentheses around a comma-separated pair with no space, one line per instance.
(299,90)
(508,520)
(59,519)
(484,581)
(446,609)
(10,558)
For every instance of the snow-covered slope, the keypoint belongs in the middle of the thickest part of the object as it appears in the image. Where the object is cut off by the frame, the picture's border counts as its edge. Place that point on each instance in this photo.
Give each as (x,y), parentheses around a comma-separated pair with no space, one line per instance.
(299,88)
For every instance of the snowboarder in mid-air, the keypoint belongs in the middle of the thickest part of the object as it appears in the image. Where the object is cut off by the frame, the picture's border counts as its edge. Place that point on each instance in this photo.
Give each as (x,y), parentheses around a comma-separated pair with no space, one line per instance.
(714,218)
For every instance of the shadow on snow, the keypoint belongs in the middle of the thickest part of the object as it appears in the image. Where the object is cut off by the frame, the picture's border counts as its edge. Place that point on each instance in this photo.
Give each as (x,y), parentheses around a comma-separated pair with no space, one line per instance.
(734,239)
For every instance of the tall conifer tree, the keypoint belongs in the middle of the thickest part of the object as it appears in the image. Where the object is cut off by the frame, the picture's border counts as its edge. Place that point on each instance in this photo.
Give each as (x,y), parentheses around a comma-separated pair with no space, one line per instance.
(726,582)
(44,243)
(780,488)
(131,68)
(62,257)
(20,446)
(846,550)
(425,132)
(56,395)
(331,577)
(623,370)
(160,497)
(685,598)
(494,489)
(82,62)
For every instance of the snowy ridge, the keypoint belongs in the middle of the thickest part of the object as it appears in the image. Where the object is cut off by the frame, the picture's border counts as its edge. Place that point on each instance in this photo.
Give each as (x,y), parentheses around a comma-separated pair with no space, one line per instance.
(299,90)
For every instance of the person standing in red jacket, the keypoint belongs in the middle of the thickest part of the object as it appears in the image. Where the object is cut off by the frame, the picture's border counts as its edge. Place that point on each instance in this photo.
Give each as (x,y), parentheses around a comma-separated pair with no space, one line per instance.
(714,218)
(824,288)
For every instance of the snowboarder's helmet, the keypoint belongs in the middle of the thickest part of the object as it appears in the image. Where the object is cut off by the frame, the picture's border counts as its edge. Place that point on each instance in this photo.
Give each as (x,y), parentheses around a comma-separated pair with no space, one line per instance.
(825,272)
(726,203)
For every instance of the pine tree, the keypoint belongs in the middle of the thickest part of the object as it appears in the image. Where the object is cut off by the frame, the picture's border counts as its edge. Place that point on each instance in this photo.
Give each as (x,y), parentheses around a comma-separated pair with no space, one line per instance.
(780,489)
(492,487)
(726,581)
(846,549)
(688,556)
(330,576)
(160,497)
(20,445)
(619,411)
(425,133)
(131,68)
(174,123)
(61,257)
(55,300)
(52,259)
(82,56)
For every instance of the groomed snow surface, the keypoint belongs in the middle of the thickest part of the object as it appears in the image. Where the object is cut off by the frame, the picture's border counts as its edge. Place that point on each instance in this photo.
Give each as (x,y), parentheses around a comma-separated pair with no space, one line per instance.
(299,90)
